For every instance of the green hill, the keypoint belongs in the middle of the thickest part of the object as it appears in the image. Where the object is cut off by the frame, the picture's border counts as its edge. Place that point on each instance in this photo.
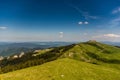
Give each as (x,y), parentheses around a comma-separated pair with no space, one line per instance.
(93,52)
(64,69)
(83,61)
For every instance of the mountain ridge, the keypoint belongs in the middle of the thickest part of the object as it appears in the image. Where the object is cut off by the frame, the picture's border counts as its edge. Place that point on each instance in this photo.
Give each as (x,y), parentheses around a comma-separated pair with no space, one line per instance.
(91,52)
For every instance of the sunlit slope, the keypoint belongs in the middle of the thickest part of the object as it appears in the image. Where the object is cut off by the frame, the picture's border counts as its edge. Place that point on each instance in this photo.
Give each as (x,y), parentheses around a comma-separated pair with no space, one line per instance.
(90,51)
(93,52)
(64,69)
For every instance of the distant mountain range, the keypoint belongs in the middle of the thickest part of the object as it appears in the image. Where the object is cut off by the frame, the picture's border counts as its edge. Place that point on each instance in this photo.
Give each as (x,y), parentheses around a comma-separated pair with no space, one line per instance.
(112,43)
(10,48)
(7,48)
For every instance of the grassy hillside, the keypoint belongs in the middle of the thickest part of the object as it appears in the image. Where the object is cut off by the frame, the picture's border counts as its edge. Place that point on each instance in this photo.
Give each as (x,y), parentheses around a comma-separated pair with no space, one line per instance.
(64,69)
(94,52)
(91,51)
(83,61)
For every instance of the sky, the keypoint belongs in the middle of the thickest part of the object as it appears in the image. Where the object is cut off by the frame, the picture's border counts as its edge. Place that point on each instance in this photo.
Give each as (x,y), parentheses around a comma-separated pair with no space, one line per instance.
(60,20)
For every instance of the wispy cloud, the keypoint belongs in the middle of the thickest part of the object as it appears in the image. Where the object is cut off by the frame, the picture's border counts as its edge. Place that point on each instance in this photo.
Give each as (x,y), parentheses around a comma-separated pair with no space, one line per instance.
(107,37)
(85,14)
(111,35)
(114,22)
(117,10)
(3,28)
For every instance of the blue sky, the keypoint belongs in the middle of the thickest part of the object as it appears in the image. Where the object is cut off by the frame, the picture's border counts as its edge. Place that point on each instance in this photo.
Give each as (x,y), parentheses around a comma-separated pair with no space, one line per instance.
(59,20)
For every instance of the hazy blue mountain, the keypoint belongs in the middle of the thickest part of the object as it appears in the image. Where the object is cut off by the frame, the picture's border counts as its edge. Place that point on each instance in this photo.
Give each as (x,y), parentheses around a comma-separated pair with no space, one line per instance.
(112,43)
(10,48)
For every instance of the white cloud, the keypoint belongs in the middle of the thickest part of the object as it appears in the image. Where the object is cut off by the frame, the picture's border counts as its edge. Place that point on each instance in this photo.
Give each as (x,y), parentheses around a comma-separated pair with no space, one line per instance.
(3,28)
(86,22)
(111,35)
(106,36)
(116,10)
(83,22)
(61,34)
(80,22)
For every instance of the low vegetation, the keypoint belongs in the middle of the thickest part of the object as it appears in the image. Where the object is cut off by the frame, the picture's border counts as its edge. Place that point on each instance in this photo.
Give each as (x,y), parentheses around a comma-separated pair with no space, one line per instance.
(83,61)
(64,69)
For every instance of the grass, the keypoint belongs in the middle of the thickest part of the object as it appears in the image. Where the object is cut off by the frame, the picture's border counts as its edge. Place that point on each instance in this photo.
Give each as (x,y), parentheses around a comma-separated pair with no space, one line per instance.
(64,69)
(88,51)
(74,63)
(94,52)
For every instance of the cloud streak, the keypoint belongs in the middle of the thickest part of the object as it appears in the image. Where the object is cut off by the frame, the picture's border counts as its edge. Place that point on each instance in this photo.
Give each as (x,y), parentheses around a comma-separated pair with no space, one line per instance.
(86,15)
(116,11)
(3,28)
(111,35)
(114,22)
(108,36)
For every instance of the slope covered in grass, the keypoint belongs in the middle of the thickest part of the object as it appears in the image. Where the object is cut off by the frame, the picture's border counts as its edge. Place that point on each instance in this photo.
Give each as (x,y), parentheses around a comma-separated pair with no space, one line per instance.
(94,52)
(64,69)
(91,52)
(87,51)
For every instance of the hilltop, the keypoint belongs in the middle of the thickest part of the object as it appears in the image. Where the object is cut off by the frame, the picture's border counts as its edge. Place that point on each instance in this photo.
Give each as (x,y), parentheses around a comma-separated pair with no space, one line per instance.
(93,51)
